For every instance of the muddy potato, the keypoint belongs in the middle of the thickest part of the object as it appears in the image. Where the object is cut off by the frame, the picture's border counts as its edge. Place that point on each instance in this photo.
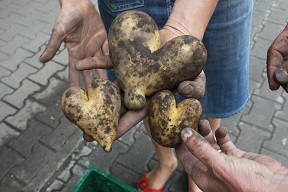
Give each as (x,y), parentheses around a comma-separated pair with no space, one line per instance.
(143,67)
(166,119)
(95,112)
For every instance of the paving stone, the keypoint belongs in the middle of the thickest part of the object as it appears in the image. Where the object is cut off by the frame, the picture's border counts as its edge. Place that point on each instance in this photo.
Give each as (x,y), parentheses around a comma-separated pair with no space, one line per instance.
(34,59)
(101,159)
(265,92)
(3,57)
(7,133)
(19,120)
(62,57)
(14,80)
(258,17)
(55,186)
(6,110)
(63,75)
(11,46)
(281,4)
(260,48)
(25,142)
(261,113)
(66,173)
(8,183)
(256,68)
(53,92)
(51,97)
(4,72)
(20,95)
(128,138)
(278,15)
(55,162)
(10,8)
(34,29)
(263,5)
(279,140)
(60,134)
(5,90)
(77,173)
(33,164)
(124,174)
(43,75)
(138,155)
(34,45)
(251,138)
(269,34)
(254,30)
(283,113)
(12,62)
(11,160)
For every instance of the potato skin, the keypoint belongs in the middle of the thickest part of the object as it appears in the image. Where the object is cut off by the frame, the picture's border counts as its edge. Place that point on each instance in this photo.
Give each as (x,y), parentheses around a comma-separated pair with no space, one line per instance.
(143,67)
(96,112)
(166,120)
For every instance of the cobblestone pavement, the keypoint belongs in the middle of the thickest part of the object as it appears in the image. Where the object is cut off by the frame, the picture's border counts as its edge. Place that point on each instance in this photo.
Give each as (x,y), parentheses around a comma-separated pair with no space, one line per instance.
(40,150)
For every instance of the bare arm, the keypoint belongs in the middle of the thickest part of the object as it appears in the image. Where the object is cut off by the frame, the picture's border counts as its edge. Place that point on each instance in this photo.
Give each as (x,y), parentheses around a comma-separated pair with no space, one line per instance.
(190,17)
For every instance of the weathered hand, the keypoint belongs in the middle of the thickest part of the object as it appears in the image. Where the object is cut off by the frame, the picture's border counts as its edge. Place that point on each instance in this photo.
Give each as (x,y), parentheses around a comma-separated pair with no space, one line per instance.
(195,88)
(80,27)
(277,65)
(231,170)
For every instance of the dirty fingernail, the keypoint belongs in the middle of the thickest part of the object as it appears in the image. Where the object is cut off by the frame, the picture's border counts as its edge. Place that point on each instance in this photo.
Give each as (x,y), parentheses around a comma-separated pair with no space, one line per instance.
(186,134)
(187,90)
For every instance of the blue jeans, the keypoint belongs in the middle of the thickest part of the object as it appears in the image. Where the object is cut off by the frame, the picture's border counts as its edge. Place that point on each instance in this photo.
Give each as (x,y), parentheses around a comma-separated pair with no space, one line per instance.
(227,39)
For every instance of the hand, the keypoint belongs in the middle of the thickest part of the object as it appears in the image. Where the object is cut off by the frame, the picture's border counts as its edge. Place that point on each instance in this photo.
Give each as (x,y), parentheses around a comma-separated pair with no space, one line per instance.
(277,65)
(195,88)
(80,27)
(130,118)
(231,170)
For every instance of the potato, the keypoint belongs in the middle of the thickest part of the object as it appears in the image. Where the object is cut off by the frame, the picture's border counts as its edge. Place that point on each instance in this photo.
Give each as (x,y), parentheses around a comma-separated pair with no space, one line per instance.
(96,112)
(166,119)
(142,66)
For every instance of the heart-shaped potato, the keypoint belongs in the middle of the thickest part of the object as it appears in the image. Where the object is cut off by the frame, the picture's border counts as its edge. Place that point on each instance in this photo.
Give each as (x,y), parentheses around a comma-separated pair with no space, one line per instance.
(142,66)
(96,112)
(166,119)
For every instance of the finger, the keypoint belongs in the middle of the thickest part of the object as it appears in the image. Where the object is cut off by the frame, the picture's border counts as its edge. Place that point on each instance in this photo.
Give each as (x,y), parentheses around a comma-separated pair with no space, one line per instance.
(195,88)
(102,73)
(97,62)
(105,48)
(131,118)
(193,167)
(87,138)
(88,77)
(226,144)
(54,43)
(205,130)
(200,148)
(281,73)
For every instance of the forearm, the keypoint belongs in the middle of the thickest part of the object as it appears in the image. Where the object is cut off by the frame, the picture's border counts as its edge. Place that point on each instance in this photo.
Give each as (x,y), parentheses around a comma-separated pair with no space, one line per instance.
(190,17)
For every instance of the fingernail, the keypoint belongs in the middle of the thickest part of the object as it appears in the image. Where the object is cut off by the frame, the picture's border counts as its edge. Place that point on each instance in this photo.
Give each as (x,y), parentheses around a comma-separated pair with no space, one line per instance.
(187,90)
(186,134)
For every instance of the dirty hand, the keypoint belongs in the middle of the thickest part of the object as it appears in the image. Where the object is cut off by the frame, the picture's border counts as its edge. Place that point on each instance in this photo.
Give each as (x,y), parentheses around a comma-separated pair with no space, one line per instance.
(187,89)
(80,27)
(230,170)
(277,61)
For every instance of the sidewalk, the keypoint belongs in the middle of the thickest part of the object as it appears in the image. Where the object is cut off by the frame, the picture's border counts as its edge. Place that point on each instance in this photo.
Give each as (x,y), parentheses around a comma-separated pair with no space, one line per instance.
(40,150)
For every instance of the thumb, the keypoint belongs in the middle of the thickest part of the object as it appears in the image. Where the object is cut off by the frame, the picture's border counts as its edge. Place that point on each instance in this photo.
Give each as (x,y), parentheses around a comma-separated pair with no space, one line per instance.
(53,46)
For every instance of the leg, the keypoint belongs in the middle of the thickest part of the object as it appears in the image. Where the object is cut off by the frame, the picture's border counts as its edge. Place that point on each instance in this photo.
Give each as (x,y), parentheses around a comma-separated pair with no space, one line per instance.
(167,163)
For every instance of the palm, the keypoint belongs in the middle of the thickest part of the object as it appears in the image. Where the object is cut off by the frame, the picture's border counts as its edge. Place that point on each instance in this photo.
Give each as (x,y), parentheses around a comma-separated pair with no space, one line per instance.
(81,29)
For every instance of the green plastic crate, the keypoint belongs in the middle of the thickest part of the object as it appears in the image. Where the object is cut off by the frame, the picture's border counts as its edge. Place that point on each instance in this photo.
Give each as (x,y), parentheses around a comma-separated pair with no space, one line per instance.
(95,180)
